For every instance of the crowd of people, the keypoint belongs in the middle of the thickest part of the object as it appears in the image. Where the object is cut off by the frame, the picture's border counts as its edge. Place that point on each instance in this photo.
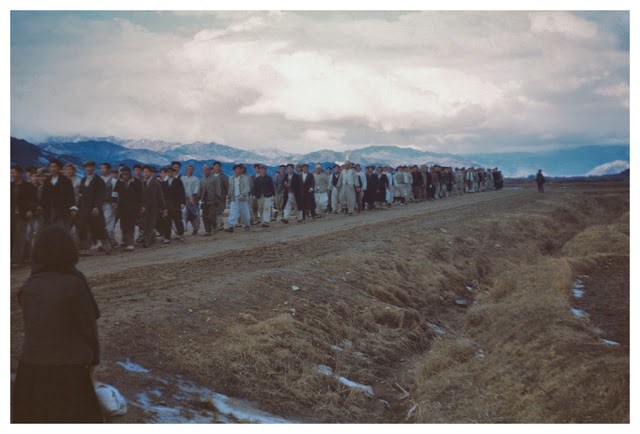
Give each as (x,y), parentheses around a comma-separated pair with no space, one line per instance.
(163,203)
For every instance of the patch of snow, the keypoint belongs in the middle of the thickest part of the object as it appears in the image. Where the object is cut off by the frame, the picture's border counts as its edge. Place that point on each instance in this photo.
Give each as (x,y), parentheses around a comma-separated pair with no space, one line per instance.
(360,355)
(237,408)
(163,414)
(578,313)
(578,285)
(470,289)
(336,347)
(327,371)
(578,293)
(434,328)
(295,288)
(608,342)
(132,367)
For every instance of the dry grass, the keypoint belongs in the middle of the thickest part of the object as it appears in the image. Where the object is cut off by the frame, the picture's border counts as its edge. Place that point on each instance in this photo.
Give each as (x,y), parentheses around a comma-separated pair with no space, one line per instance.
(522,356)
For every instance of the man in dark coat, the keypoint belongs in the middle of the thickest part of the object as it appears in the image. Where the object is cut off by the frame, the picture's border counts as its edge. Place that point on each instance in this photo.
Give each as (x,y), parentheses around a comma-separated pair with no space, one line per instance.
(540,181)
(153,204)
(308,193)
(372,188)
(292,194)
(23,204)
(175,198)
(58,198)
(264,191)
(127,197)
(382,183)
(90,200)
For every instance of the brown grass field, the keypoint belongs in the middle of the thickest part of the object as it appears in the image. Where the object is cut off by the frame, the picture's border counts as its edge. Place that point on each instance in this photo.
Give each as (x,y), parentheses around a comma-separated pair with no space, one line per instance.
(452,311)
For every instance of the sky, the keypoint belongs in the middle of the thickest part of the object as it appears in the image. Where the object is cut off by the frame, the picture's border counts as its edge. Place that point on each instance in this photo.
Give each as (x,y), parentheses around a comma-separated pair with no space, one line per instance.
(457,82)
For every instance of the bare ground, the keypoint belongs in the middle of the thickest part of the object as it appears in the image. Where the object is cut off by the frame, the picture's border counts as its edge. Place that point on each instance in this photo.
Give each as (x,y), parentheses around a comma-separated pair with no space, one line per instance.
(438,306)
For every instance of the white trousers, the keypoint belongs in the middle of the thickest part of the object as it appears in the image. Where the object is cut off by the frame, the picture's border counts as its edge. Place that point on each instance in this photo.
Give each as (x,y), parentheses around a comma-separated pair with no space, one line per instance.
(109,220)
(239,209)
(265,204)
(322,201)
(290,206)
(335,199)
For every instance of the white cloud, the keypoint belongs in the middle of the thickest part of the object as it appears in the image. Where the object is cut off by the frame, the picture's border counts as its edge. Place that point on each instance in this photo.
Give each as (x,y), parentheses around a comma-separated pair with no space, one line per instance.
(447,81)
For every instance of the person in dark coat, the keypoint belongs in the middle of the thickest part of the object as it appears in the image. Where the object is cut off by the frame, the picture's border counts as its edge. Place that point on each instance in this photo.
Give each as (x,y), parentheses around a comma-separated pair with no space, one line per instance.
(292,194)
(540,181)
(382,182)
(153,204)
(127,197)
(23,206)
(53,381)
(175,198)
(58,198)
(91,195)
(372,188)
(308,193)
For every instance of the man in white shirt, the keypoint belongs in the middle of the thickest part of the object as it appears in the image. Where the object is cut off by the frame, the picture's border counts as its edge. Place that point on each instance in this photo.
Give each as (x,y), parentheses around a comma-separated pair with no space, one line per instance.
(191,212)
(360,192)
(349,180)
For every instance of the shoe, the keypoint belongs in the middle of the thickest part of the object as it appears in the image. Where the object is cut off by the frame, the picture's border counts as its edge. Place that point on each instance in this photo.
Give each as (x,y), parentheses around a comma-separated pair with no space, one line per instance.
(145,245)
(206,234)
(194,233)
(96,246)
(247,228)
(285,221)
(265,225)
(166,241)
(129,248)
(350,214)
(181,238)
(106,247)
(229,229)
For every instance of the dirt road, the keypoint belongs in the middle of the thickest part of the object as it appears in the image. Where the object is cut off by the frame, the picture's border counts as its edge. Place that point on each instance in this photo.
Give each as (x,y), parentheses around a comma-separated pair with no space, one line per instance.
(318,321)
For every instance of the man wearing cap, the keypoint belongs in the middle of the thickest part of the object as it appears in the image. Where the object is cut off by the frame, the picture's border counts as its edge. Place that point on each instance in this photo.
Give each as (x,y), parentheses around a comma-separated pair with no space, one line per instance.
(278,183)
(224,184)
(91,199)
(153,204)
(361,188)
(191,212)
(334,181)
(382,181)
(293,191)
(308,193)
(253,200)
(70,172)
(369,196)
(239,189)
(349,181)
(175,198)
(426,180)
(107,210)
(23,204)
(540,181)
(127,200)
(137,171)
(264,191)
(321,191)
(58,198)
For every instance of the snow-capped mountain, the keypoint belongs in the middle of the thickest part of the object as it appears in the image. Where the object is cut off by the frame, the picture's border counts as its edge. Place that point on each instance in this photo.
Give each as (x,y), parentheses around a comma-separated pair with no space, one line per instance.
(611,168)
(581,161)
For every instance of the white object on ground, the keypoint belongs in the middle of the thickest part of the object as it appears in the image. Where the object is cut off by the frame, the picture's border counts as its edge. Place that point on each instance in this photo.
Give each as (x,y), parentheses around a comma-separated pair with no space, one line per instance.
(578,313)
(111,401)
(327,371)
(608,342)
(133,367)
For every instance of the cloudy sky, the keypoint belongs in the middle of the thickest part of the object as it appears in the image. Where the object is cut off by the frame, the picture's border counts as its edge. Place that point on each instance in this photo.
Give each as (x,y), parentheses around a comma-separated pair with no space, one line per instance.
(301,81)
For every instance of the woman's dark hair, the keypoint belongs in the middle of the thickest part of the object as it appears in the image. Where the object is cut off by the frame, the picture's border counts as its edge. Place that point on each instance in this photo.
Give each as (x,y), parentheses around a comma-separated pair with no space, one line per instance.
(55,248)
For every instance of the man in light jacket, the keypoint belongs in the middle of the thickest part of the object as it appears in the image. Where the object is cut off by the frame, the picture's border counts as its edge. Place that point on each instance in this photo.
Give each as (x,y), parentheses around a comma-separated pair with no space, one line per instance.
(191,212)
(322,190)
(239,190)
(349,181)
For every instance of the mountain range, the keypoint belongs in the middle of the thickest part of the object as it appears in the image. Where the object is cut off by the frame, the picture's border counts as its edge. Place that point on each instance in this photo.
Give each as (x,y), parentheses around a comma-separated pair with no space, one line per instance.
(581,161)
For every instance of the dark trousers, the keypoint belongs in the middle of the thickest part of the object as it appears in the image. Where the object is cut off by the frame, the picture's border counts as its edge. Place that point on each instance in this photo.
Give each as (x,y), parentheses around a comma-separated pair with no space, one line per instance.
(148,222)
(128,227)
(94,224)
(210,212)
(541,188)
(308,204)
(175,217)
(18,238)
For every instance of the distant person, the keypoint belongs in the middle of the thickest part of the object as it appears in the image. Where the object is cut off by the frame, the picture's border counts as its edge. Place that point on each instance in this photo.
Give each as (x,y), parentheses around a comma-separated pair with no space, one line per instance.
(23,204)
(191,213)
(153,204)
(308,193)
(175,198)
(127,201)
(278,183)
(239,189)
(58,198)
(60,350)
(264,191)
(293,195)
(91,197)
(335,190)
(540,181)
(322,191)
